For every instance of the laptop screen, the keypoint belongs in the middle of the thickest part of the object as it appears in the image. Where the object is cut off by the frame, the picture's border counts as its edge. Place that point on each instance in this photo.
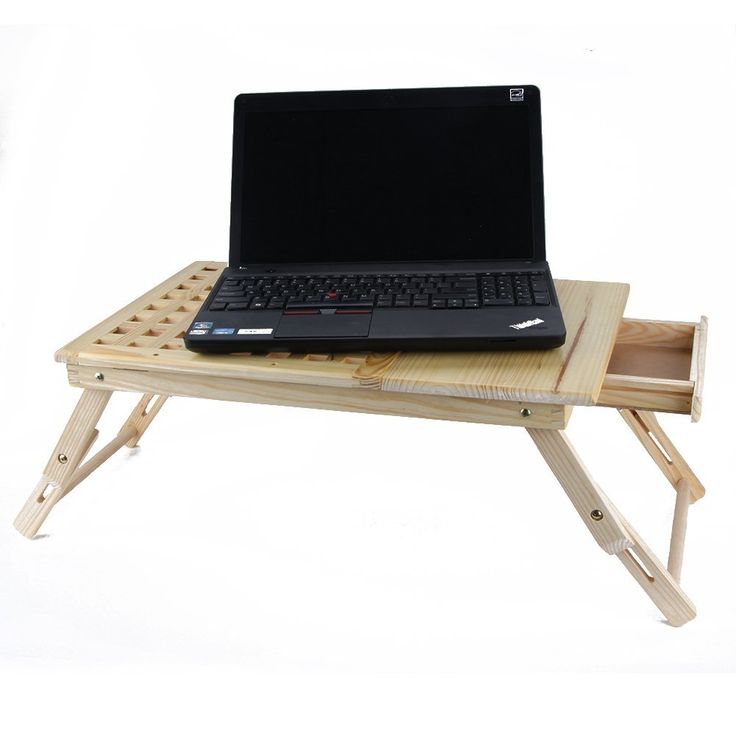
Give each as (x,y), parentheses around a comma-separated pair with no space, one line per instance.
(388,184)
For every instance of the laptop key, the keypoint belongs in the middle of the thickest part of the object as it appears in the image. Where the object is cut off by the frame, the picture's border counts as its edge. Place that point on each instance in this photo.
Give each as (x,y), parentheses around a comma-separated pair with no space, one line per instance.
(217,306)
(258,304)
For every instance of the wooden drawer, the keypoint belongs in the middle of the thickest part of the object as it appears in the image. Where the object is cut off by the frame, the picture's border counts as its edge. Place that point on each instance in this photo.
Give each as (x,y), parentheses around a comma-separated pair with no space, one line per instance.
(657,366)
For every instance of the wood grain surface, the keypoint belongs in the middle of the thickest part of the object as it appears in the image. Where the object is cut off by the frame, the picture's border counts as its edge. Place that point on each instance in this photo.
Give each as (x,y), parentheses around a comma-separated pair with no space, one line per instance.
(147,335)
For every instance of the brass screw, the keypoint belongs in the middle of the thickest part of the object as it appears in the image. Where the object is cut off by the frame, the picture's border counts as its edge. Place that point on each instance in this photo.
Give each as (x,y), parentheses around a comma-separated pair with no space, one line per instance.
(525,412)
(99,376)
(62,458)
(596,514)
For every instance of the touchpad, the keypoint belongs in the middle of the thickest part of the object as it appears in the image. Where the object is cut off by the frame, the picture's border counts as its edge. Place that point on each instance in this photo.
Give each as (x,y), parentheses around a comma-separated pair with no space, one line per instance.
(331,324)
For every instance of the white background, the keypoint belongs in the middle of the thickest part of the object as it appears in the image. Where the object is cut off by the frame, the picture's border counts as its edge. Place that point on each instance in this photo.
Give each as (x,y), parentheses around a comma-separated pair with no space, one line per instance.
(276,570)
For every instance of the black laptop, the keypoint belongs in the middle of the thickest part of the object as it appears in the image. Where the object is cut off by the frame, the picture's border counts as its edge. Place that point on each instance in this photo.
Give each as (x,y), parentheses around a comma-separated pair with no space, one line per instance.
(400,219)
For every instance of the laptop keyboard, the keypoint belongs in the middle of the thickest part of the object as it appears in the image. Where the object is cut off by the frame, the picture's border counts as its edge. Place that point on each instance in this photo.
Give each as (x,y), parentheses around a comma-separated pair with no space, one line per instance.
(427,291)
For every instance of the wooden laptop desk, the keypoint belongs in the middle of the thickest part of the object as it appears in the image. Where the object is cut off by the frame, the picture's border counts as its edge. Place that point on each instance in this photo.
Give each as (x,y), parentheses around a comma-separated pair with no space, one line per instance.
(636,366)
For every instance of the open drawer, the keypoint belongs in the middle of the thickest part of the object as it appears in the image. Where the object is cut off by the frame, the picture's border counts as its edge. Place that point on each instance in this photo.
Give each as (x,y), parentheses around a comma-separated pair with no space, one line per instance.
(657,366)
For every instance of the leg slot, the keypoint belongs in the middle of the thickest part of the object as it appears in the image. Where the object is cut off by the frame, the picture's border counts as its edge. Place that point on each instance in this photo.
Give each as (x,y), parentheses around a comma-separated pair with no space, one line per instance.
(46,492)
(640,564)
(653,438)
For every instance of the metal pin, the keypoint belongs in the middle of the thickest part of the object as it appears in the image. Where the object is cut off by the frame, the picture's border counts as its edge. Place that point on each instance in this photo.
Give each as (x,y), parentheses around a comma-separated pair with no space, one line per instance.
(596,514)
(99,376)
(525,412)
(62,458)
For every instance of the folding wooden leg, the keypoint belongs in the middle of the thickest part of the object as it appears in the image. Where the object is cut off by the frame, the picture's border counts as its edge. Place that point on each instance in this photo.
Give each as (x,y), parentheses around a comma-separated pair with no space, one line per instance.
(143,415)
(689,489)
(64,470)
(612,532)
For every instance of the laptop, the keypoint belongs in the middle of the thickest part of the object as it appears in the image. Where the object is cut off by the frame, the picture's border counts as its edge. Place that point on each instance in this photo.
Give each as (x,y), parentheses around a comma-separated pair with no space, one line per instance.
(398,219)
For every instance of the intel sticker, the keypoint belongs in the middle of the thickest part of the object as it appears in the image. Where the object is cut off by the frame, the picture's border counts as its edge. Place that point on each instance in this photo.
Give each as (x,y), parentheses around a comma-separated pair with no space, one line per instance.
(223,331)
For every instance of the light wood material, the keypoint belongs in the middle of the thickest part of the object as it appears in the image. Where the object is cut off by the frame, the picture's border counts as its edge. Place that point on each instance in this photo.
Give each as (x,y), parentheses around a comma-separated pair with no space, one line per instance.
(143,415)
(64,470)
(71,448)
(453,408)
(126,435)
(148,335)
(661,449)
(697,367)
(589,501)
(634,365)
(679,529)
(657,366)
(612,532)
(572,374)
(664,591)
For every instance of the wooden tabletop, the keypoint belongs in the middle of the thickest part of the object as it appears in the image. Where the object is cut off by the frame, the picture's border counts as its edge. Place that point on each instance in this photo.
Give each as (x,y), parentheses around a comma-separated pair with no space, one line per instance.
(147,335)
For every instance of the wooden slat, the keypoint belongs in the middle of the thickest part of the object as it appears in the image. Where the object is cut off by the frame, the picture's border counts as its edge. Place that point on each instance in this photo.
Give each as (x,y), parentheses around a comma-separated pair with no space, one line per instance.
(656,332)
(637,392)
(697,368)
(280,393)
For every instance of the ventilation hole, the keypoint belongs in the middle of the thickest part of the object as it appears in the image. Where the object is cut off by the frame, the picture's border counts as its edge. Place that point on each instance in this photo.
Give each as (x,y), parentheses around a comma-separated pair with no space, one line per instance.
(121,329)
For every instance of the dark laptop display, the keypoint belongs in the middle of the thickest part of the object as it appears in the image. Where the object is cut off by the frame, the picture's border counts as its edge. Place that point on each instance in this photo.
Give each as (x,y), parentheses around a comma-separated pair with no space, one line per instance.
(385,219)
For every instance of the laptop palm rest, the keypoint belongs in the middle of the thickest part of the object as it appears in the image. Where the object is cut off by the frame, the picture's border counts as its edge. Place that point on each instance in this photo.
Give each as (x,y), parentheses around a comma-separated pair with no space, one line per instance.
(324,323)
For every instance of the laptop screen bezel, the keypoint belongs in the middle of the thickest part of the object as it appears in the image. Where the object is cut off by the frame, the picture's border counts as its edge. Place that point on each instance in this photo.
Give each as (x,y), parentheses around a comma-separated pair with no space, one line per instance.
(387,99)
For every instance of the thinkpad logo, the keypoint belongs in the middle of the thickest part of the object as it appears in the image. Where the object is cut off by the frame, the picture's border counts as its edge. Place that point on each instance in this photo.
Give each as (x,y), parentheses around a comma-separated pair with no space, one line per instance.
(528,323)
